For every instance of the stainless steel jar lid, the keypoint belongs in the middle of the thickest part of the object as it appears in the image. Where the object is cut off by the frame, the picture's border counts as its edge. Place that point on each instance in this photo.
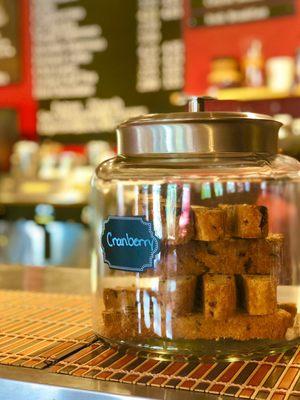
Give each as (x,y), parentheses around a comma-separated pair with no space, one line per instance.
(198,132)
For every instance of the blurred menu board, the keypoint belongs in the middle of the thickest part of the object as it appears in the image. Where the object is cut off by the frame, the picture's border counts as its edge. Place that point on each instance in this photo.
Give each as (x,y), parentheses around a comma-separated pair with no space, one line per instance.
(225,12)
(97,63)
(10,59)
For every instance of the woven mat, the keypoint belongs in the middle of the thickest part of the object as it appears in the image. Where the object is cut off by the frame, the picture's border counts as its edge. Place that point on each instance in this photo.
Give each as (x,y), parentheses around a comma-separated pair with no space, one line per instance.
(41,330)
(275,377)
(37,330)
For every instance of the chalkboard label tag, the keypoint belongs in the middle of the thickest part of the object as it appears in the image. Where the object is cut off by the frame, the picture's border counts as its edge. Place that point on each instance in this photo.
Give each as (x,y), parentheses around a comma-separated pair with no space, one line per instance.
(129,243)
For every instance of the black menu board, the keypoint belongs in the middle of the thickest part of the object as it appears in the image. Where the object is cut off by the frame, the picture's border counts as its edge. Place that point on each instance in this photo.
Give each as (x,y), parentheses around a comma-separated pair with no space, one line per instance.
(228,12)
(10,30)
(97,63)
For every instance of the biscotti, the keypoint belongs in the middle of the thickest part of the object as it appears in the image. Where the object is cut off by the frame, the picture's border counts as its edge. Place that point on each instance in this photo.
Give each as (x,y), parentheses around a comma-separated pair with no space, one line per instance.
(120,298)
(266,255)
(233,256)
(126,325)
(194,326)
(239,326)
(176,295)
(180,261)
(246,221)
(209,223)
(259,294)
(219,296)
(224,257)
(196,258)
(172,295)
(241,220)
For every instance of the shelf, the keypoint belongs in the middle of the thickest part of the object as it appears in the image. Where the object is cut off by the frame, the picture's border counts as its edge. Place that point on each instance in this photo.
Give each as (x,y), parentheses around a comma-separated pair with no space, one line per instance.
(253,94)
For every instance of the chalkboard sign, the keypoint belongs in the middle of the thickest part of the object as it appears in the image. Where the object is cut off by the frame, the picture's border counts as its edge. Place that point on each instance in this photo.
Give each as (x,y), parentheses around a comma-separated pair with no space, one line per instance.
(10,30)
(228,12)
(98,63)
(129,243)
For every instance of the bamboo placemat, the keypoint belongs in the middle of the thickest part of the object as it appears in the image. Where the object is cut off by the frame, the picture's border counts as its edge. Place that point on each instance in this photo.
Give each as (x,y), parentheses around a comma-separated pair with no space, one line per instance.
(40,330)
(275,377)
(37,329)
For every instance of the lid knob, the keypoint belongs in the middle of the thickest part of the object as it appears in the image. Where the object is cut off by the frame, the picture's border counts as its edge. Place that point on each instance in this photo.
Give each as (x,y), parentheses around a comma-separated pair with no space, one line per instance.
(196,104)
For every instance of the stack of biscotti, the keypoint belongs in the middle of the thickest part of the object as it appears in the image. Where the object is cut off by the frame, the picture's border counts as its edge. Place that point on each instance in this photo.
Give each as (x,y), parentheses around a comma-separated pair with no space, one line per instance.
(215,277)
(237,261)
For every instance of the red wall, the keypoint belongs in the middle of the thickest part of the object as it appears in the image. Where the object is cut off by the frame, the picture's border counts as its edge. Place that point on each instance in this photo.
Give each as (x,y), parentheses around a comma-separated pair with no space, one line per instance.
(19,96)
(280,36)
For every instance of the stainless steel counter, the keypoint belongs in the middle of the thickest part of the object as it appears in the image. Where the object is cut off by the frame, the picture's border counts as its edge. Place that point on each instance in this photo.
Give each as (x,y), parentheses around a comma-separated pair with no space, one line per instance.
(27,383)
(37,385)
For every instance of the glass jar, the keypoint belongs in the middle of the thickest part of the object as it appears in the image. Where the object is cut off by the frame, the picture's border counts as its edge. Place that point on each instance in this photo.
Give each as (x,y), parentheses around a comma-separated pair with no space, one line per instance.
(196,237)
